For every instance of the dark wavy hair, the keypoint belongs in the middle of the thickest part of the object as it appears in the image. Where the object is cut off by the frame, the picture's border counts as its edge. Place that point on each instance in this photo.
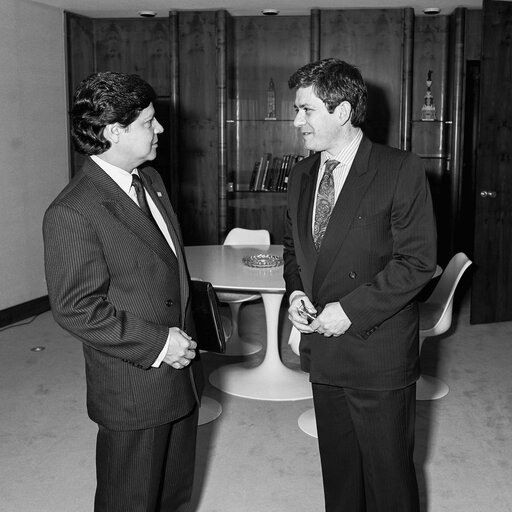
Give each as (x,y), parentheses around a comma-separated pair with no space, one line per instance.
(106,98)
(334,81)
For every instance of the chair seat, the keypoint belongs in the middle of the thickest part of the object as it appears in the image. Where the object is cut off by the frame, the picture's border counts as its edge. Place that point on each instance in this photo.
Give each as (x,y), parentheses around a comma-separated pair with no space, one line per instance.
(429,315)
(237,346)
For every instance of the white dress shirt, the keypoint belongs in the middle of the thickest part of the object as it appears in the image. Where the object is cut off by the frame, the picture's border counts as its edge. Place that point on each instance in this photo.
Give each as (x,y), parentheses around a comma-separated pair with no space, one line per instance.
(345,158)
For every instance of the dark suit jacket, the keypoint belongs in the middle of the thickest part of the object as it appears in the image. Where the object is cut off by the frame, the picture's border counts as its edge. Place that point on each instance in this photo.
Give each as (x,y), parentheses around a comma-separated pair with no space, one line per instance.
(379,250)
(115,284)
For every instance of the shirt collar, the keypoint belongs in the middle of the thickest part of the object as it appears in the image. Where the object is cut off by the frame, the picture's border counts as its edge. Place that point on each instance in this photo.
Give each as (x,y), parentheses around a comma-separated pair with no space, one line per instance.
(120,176)
(347,154)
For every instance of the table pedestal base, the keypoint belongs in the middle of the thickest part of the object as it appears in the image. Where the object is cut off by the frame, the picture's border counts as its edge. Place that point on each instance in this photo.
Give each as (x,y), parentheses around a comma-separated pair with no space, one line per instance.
(210,410)
(260,384)
(307,422)
(430,388)
(237,346)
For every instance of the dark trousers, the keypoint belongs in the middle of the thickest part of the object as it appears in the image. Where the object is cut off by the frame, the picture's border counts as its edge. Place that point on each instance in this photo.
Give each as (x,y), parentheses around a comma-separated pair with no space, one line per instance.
(366,442)
(148,470)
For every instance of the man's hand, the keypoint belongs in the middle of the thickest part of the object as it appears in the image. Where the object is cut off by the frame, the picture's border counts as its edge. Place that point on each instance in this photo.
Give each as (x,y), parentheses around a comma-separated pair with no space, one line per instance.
(300,321)
(181,349)
(332,321)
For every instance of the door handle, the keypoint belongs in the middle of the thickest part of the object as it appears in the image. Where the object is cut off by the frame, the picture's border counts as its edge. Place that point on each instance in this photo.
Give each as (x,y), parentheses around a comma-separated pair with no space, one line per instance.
(488,193)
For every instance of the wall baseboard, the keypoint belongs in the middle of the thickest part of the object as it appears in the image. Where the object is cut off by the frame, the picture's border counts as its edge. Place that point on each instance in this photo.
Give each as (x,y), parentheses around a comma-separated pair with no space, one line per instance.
(22,311)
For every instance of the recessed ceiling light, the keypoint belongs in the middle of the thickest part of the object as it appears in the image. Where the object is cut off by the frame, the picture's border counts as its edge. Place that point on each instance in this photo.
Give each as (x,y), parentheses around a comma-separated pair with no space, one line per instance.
(431,11)
(147,14)
(270,12)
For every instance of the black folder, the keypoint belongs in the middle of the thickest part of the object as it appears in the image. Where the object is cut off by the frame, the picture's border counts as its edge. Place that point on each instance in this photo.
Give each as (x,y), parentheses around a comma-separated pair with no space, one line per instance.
(206,313)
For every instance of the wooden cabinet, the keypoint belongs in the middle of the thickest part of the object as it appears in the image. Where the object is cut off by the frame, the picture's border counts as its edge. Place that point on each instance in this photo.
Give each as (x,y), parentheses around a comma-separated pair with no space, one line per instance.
(212,72)
(373,40)
(257,210)
(261,49)
(250,141)
(430,139)
(273,48)
(139,46)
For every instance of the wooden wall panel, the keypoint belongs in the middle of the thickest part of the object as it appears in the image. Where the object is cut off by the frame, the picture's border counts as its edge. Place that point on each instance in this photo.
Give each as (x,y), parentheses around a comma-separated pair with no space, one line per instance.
(139,46)
(198,137)
(80,64)
(80,49)
(473,35)
(266,48)
(256,210)
(372,41)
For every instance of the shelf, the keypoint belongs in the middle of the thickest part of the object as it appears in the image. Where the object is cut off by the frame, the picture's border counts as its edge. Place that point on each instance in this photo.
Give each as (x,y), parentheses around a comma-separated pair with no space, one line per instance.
(258,192)
(435,121)
(232,121)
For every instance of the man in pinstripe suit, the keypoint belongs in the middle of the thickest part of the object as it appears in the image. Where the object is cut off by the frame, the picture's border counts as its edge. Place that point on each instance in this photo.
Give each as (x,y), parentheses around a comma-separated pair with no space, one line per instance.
(117,280)
(360,243)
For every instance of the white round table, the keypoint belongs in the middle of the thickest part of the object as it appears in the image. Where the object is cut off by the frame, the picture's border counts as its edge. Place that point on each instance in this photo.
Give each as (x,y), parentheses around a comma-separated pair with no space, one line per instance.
(222,266)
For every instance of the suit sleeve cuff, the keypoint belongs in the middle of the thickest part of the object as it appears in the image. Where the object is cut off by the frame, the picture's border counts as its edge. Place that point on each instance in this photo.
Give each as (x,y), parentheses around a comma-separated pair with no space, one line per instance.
(162,354)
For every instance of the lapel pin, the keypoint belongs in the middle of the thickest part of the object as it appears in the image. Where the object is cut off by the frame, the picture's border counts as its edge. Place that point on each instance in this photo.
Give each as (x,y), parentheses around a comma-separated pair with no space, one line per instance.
(159,194)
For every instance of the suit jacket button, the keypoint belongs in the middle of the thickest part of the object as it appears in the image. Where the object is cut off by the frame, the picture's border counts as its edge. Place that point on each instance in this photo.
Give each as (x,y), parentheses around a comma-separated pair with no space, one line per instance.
(169,303)
(352,275)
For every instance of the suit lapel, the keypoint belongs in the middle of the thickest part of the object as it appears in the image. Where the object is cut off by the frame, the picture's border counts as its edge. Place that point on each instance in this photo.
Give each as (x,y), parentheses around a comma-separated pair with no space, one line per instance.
(120,206)
(164,208)
(305,208)
(358,180)
(174,230)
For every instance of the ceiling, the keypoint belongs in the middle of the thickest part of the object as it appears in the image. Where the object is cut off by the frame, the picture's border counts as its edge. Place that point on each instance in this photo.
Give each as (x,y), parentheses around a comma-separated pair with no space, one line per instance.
(130,8)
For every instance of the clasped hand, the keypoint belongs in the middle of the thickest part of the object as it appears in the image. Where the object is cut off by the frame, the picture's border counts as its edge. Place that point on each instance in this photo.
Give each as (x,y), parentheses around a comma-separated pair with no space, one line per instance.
(332,321)
(181,349)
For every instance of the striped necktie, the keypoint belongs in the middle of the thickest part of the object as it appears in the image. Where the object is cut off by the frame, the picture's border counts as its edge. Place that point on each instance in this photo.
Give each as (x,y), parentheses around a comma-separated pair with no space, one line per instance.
(141,196)
(324,203)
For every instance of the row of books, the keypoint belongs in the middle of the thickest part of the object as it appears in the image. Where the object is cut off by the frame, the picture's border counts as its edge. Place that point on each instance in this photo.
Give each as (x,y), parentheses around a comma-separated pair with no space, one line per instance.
(270,174)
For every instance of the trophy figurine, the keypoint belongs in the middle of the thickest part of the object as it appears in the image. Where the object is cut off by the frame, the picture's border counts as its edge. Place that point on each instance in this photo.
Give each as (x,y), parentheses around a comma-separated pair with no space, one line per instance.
(271,101)
(428,110)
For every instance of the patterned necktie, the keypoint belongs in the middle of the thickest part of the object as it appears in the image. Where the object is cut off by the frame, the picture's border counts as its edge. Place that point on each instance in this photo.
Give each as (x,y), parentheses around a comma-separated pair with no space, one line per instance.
(324,203)
(141,196)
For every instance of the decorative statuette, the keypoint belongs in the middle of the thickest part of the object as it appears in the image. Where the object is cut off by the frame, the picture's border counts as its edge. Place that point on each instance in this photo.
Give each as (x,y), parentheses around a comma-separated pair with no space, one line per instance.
(271,102)
(428,110)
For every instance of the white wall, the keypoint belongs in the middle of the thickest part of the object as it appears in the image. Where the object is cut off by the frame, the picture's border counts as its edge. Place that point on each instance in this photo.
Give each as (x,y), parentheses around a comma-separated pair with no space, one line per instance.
(33,141)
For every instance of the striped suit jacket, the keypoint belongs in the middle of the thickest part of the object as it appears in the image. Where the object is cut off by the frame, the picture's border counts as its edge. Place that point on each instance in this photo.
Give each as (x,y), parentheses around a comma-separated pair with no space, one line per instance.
(379,250)
(116,285)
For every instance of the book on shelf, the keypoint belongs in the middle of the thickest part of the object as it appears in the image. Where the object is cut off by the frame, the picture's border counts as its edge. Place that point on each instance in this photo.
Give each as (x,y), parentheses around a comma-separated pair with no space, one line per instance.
(282,171)
(260,166)
(266,161)
(293,160)
(270,174)
(254,175)
(274,170)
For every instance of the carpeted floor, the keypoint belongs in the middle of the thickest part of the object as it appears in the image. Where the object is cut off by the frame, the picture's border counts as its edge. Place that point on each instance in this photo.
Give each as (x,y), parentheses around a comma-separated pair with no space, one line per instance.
(254,458)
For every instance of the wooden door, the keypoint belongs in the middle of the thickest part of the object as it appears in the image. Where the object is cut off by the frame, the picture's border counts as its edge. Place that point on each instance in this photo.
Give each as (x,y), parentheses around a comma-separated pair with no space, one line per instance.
(491,292)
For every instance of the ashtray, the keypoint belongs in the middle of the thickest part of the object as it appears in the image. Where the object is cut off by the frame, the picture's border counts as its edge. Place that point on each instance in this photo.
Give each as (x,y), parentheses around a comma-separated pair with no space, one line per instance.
(262,261)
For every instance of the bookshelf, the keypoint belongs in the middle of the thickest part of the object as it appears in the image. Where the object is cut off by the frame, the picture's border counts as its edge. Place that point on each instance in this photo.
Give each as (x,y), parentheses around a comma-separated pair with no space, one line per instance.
(259,145)
(260,117)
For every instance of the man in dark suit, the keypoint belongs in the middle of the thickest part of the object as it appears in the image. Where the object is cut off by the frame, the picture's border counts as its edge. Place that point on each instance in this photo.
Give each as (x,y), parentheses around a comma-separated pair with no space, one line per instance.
(360,243)
(117,280)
